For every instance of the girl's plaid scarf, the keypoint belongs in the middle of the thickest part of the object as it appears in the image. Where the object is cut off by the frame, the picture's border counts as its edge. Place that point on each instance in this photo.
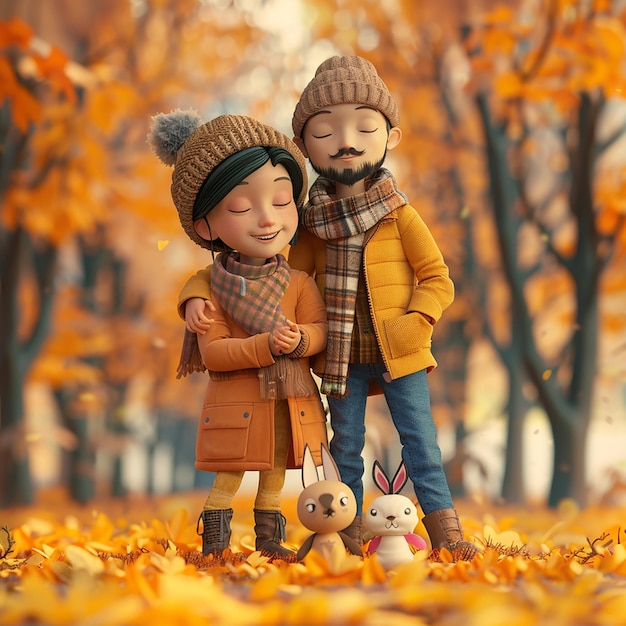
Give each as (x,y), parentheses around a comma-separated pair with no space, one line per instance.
(251,295)
(343,224)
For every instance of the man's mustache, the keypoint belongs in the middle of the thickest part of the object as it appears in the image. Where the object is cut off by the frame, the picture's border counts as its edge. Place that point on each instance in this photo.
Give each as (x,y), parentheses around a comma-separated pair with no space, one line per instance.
(347,152)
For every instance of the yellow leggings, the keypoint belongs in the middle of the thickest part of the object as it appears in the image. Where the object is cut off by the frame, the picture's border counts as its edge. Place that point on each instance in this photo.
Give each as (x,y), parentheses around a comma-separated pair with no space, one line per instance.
(271,482)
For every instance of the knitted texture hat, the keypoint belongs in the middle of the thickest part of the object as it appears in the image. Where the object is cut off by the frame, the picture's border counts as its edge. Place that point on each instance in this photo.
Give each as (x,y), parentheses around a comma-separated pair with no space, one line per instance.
(195,150)
(342,80)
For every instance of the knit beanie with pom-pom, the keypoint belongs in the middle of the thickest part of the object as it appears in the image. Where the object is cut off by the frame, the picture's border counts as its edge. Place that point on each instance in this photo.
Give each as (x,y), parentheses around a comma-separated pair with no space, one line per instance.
(195,150)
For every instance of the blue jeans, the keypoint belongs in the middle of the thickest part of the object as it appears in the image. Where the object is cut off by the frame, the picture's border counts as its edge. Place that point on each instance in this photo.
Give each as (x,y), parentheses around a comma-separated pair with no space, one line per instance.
(408,399)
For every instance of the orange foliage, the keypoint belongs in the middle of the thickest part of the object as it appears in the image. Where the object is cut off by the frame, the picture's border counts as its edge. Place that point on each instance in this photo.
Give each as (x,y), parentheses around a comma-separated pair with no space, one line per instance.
(535,567)
(49,68)
(25,108)
(583,52)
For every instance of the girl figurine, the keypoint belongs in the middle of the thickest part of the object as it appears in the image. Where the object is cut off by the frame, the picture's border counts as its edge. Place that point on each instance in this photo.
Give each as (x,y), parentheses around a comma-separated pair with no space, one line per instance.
(237,185)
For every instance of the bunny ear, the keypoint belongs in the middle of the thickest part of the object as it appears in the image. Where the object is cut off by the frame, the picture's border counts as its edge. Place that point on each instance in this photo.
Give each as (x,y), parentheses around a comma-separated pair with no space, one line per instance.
(380,478)
(309,469)
(331,471)
(399,480)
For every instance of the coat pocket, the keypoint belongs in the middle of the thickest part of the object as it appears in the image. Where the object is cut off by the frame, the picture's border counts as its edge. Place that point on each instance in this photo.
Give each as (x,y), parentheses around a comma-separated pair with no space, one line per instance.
(308,426)
(224,432)
(408,334)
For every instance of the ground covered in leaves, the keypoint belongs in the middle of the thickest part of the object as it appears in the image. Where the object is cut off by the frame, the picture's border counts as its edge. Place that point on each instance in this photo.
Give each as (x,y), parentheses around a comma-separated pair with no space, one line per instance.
(139,562)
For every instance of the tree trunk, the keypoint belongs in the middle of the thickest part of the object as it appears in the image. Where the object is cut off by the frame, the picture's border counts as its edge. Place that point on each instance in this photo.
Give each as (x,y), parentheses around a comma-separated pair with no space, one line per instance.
(504,195)
(513,487)
(82,462)
(16,486)
(15,482)
(17,355)
(451,352)
(568,475)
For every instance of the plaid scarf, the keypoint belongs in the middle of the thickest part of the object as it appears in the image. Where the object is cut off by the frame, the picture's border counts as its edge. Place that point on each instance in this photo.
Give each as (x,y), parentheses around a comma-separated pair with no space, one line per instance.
(343,224)
(251,295)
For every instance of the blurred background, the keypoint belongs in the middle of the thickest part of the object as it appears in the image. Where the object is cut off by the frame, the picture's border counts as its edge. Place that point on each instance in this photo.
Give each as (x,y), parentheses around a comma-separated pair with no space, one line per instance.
(514,124)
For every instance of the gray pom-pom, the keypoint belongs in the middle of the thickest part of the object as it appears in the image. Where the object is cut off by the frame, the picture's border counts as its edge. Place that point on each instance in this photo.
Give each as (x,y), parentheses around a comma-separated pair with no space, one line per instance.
(169,132)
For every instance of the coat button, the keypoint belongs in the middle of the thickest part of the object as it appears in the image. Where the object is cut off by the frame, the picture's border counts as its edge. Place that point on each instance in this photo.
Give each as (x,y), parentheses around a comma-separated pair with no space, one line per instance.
(246,415)
(301,413)
(206,420)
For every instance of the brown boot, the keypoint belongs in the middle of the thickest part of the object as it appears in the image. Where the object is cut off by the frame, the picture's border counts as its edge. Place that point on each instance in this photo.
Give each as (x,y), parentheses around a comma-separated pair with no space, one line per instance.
(215,530)
(444,530)
(269,527)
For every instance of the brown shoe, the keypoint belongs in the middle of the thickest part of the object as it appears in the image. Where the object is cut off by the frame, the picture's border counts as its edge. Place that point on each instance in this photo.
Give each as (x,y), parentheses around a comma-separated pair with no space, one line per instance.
(269,527)
(215,530)
(444,530)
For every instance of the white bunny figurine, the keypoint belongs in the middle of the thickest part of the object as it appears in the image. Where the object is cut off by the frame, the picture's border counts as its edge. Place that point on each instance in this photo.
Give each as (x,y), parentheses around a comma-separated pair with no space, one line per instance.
(392,518)
(326,507)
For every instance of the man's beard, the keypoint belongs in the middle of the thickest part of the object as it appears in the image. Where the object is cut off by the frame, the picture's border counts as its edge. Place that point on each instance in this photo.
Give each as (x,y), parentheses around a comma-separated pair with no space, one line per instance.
(349,176)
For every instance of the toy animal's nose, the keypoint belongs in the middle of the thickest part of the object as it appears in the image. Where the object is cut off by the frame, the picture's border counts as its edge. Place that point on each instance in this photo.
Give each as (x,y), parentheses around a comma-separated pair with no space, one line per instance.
(391,517)
(326,500)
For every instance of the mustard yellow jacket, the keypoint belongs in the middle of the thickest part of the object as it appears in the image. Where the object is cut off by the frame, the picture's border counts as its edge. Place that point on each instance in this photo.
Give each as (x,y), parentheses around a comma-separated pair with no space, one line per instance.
(407,280)
(408,287)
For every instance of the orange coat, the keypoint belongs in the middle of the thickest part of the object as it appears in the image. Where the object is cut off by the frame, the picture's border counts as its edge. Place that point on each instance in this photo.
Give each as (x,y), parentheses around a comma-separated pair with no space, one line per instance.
(236,429)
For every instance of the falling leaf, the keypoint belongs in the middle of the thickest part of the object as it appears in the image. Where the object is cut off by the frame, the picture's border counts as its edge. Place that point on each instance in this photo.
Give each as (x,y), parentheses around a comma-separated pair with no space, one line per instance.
(162,244)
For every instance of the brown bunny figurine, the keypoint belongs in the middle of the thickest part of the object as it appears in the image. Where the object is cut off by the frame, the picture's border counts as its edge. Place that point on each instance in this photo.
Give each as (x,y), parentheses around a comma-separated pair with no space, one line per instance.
(326,507)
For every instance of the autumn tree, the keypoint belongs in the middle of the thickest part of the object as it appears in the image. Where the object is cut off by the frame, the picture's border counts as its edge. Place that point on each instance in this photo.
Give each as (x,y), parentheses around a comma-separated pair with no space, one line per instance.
(29,250)
(523,111)
(80,182)
(548,91)
(524,120)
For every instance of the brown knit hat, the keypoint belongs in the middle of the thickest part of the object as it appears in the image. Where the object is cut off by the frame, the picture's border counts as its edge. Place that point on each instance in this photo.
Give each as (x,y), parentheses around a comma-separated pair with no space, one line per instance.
(341,80)
(195,149)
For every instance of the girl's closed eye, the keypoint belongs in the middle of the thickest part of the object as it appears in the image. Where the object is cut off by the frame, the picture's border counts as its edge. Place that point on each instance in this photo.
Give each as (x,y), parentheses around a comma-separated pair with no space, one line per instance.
(282,199)
(238,205)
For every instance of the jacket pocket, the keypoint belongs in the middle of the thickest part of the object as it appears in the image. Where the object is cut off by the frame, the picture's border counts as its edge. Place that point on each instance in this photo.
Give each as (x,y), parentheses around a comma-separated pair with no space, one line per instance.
(224,431)
(408,334)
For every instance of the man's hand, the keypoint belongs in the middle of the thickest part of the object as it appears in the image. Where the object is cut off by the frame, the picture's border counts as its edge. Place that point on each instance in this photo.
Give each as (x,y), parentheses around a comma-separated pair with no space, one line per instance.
(196,319)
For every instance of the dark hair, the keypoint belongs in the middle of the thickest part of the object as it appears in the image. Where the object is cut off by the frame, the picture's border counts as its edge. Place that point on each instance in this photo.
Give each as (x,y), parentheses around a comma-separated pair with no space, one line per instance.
(230,172)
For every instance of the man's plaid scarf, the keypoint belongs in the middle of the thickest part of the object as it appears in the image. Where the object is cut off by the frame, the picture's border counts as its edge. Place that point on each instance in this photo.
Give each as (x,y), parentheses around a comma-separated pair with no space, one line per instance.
(343,224)
(251,295)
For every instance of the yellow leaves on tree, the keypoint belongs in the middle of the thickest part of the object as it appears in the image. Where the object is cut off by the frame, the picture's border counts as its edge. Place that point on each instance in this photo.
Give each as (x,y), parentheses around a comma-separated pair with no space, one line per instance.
(78,336)
(572,53)
(52,68)
(105,106)
(48,67)
(59,194)
(24,107)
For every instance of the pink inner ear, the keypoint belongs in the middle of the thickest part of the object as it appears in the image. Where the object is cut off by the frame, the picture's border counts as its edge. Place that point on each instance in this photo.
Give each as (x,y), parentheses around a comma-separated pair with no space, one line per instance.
(400,478)
(380,479)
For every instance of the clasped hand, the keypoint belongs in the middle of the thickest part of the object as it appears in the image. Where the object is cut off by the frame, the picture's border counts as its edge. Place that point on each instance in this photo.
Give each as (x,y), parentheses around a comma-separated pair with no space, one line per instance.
(284,339)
